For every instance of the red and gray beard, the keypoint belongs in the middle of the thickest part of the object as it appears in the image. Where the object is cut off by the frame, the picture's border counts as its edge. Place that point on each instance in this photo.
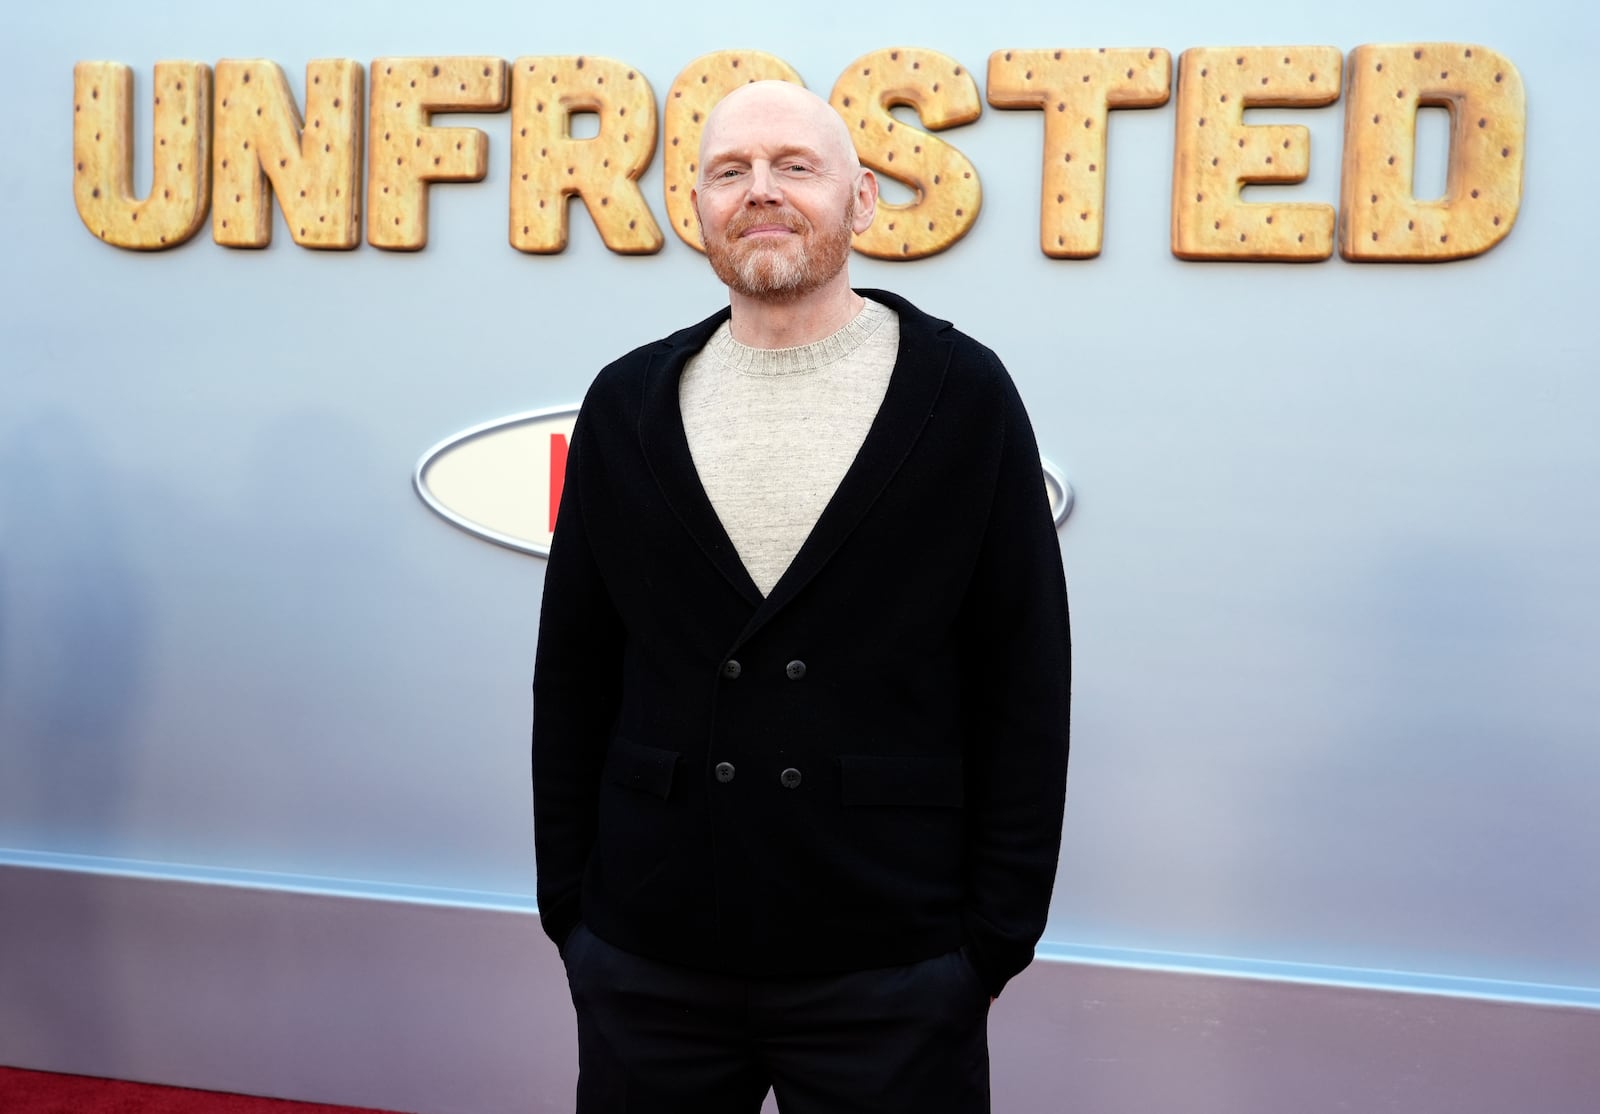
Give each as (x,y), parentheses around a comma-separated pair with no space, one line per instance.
(780,268)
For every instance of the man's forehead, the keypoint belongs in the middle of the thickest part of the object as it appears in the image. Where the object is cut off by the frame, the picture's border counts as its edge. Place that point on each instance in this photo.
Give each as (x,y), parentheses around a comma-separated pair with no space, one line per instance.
(775,147)
(768,94)
(776,115)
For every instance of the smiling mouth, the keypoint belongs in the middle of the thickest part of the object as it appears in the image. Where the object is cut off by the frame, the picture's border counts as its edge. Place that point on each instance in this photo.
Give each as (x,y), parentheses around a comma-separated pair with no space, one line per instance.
(765,226)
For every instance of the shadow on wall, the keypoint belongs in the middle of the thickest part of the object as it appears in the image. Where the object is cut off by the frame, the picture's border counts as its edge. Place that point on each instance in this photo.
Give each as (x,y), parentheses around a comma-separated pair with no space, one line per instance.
(74,629)
(353,673)
(191,679)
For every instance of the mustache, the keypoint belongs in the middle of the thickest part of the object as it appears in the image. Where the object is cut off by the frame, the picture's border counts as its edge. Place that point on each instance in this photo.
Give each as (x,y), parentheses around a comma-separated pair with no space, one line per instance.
(749,219)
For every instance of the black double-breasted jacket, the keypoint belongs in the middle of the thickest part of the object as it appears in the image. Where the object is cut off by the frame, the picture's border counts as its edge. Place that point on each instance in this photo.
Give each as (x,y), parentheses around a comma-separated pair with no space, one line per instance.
(866,767)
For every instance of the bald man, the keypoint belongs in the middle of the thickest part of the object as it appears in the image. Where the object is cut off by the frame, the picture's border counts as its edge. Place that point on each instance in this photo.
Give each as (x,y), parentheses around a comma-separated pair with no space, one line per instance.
(802,685)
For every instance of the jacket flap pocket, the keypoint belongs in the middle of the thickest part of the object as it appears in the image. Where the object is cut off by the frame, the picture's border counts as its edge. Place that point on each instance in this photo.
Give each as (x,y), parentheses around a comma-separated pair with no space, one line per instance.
(646,769)
(918,780)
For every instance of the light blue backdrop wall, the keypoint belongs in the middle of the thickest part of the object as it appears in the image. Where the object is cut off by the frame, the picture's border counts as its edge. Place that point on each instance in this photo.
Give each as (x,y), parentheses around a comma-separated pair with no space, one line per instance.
(1333,564)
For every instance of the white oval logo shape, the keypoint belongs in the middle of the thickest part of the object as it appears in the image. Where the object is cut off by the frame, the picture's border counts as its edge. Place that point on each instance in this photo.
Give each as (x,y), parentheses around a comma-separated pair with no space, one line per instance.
(502,480)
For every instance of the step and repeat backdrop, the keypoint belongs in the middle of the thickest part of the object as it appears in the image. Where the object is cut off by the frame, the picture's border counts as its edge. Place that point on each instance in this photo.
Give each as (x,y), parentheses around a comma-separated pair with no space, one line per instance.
(298,301)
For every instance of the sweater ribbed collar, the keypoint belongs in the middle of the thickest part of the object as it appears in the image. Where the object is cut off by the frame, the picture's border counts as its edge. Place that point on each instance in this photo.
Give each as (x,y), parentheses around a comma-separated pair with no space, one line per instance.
(803,357)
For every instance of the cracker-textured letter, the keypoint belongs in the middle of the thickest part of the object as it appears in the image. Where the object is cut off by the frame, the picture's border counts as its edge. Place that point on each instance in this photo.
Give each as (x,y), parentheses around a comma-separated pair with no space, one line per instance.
(102,154)
(548,165)
(264,148)
(1382,220)
(406,153)
(1217,153)
(943,94)
(1075,89)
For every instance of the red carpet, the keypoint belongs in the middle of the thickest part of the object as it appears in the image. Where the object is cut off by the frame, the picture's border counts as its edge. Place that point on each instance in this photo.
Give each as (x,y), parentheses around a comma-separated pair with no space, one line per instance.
(39,1092)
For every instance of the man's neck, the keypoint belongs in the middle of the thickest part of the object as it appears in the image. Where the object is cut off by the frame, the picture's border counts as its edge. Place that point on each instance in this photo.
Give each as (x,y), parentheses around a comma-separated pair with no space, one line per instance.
(760,323)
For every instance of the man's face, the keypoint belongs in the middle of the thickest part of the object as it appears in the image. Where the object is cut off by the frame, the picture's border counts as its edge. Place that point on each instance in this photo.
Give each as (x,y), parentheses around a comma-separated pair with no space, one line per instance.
(780,193)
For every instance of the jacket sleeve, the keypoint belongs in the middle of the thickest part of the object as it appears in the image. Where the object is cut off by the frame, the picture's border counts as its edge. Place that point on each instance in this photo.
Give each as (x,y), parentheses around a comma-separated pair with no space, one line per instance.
(576,690)
(1018,672)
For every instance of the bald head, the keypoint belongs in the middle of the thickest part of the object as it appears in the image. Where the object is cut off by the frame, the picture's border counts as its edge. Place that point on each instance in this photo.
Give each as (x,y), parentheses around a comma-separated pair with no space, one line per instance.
(783,111)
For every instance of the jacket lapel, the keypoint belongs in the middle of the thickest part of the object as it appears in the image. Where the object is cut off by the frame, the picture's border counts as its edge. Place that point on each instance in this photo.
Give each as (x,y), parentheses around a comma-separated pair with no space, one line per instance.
(666,452)
(914,387)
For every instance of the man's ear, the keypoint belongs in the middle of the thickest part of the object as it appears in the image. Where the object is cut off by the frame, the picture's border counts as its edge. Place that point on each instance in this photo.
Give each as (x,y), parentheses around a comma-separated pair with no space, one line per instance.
(866,200)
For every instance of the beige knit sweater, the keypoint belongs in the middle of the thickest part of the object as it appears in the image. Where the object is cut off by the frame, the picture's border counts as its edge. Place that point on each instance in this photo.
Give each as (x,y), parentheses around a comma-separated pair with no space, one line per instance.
(773,430)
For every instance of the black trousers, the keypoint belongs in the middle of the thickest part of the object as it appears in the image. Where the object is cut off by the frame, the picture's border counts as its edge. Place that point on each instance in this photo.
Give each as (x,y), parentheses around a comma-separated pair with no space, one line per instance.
(654,1038)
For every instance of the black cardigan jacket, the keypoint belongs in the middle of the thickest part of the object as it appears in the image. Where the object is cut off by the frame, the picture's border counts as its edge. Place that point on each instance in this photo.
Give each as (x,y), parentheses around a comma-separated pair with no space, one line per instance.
(865,768)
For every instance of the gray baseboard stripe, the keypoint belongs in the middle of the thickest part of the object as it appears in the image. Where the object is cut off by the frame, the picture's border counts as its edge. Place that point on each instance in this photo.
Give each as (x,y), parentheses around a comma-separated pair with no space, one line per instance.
(443,1003)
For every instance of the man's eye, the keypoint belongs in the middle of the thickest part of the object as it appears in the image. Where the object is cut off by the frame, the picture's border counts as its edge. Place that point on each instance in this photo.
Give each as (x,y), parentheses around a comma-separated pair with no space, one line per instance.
(729,173)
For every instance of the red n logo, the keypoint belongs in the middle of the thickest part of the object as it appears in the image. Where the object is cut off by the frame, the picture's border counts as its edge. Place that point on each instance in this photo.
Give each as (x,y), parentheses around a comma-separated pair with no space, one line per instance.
(558,474)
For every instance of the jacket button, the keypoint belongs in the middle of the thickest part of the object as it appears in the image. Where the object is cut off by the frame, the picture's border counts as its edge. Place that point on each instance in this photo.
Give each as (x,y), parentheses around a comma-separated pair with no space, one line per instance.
(795,670)
(731,669)
(790,778)
(724,772)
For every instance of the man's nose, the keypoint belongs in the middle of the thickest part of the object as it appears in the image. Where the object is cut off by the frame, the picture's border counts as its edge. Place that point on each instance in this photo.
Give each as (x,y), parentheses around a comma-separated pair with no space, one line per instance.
(763,186)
